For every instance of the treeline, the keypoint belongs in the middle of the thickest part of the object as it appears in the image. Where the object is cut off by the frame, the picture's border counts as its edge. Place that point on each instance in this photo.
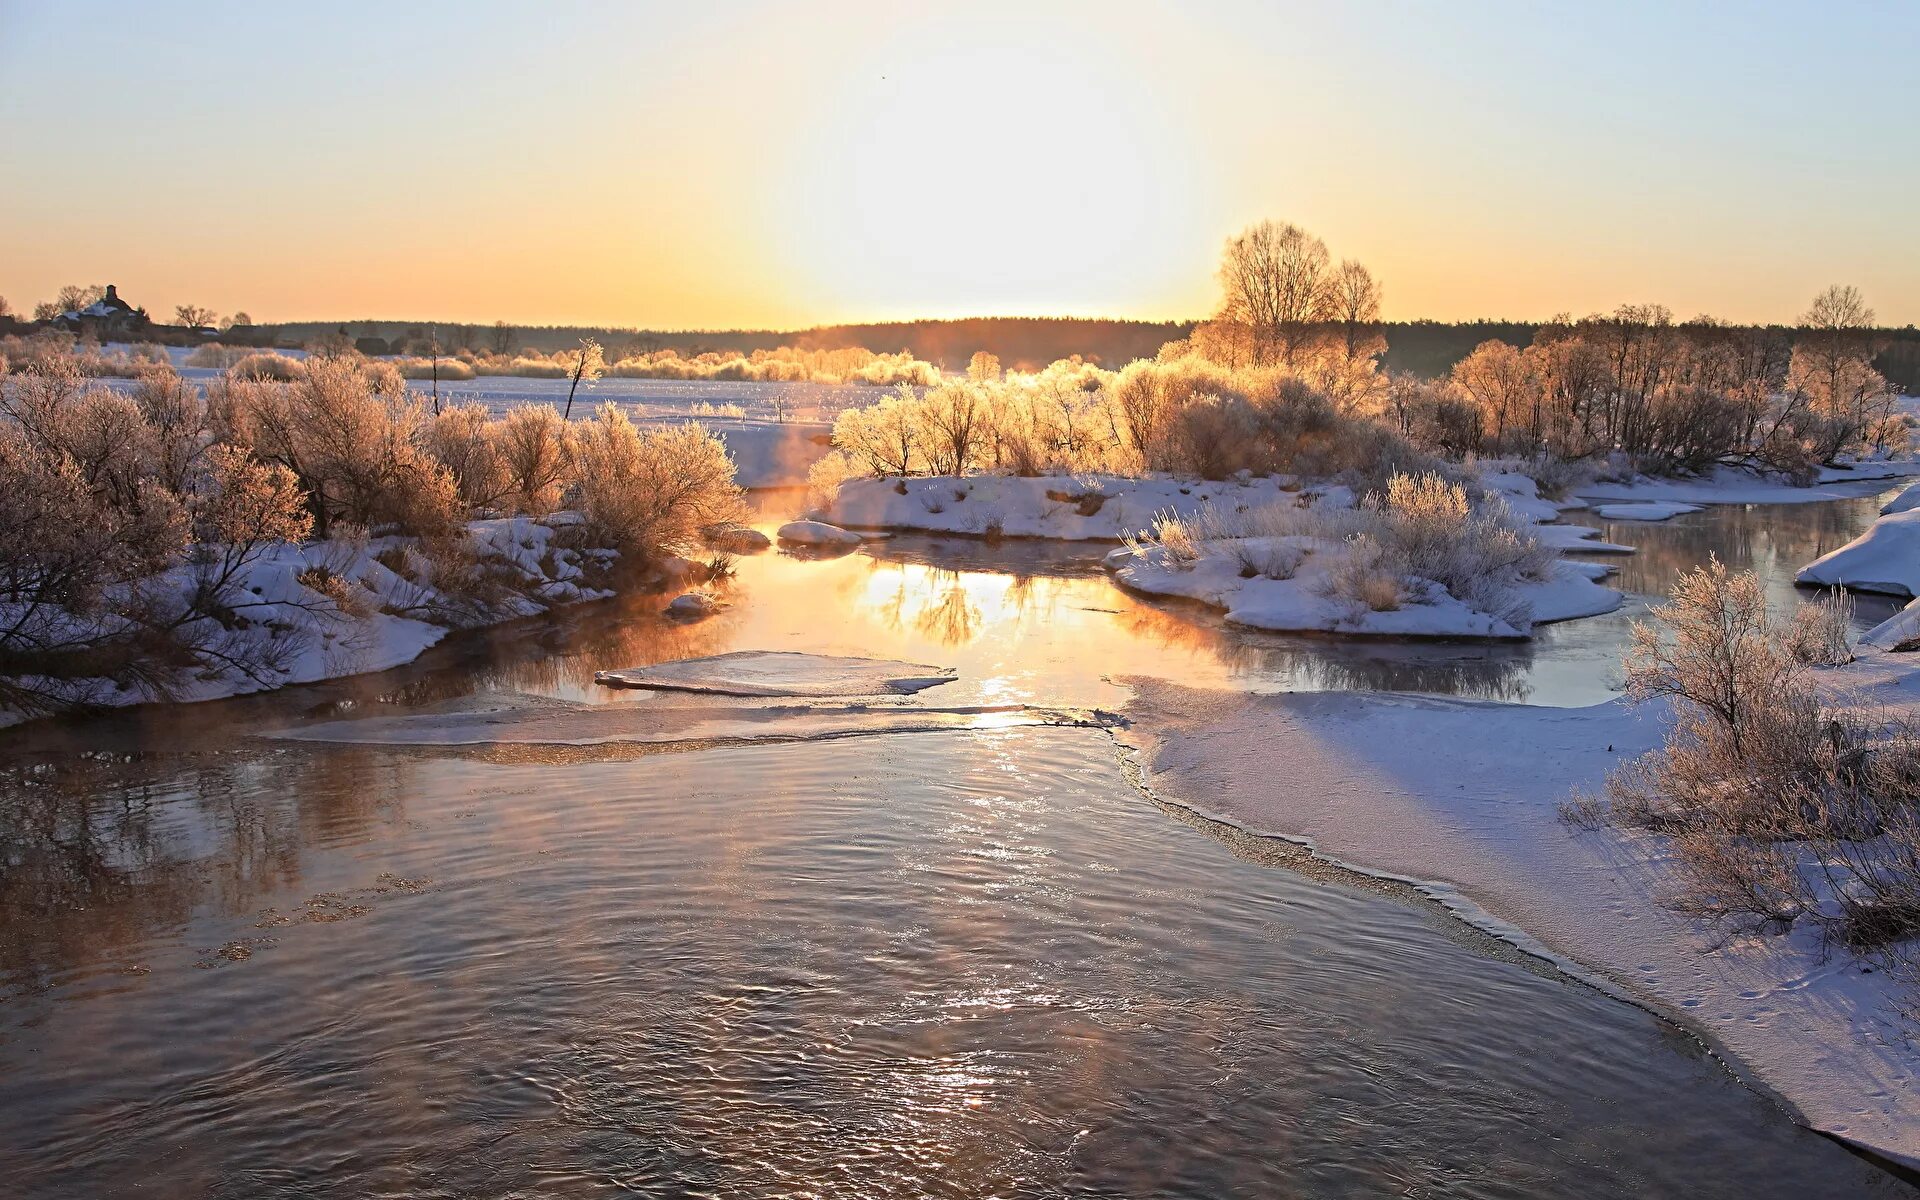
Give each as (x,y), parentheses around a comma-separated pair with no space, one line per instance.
(1427,349)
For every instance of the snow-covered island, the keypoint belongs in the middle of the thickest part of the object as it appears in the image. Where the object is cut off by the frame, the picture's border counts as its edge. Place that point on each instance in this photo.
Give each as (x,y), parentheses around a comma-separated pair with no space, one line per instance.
(1282,554)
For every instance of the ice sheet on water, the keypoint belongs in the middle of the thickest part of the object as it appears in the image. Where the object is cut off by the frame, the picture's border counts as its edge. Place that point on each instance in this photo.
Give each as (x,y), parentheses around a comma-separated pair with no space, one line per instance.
(782,673)
(586,726)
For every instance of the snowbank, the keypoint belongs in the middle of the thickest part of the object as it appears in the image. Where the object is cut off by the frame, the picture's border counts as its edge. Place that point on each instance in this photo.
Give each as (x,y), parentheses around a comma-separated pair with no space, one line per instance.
(1644,510)
(1886,558)
(818,534)
(1461,797)
(1069,508)
(1905,502)
(324,610)
(1304,602)
(1730,486)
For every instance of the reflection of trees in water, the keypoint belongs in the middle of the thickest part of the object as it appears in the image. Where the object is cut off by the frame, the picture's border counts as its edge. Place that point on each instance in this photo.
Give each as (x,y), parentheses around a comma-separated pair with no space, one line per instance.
(1484,671)
(1013,556)
(97,854)
(1772,540)
(951,620)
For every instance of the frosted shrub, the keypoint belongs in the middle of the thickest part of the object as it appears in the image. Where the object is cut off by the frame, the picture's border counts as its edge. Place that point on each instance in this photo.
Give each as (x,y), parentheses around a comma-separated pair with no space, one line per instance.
(1820,633)
(217,356)
(1426,528)
(69,566)
(532,445)
(265,365)
(883,438)
(1775,802)
(954,426)
(1360,575)
(466,440)
(425,368)
(351,434)
(650,491)
(1267,560)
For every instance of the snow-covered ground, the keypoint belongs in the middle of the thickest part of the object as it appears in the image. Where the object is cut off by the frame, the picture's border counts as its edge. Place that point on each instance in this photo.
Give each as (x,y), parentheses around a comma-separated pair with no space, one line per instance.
(1461,798)
(1102,508)
(324,610)
(1731,486)
(1304,601)
(1886,558)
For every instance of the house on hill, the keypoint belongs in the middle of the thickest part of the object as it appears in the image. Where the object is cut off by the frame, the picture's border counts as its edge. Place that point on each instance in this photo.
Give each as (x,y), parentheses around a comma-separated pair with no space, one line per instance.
(108,319)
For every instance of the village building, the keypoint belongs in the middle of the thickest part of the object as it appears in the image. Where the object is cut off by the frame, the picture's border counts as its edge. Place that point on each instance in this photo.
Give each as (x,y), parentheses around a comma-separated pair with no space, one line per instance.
(107,319)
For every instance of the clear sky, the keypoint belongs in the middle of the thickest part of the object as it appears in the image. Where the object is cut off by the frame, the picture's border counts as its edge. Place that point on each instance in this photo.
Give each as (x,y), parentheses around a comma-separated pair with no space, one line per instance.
(787,164)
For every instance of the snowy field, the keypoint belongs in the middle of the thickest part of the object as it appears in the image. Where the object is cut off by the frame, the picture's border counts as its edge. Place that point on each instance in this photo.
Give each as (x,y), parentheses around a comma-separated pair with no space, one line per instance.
(782,431)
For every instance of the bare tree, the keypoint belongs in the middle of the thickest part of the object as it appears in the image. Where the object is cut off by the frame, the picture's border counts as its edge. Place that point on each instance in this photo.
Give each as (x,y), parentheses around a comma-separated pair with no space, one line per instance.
(1356,310)
(240,319)
(502,337)
(75,296)
(983,367)
(1278,282)
(1832,368)
(583,366)
(195,316)
(6,310)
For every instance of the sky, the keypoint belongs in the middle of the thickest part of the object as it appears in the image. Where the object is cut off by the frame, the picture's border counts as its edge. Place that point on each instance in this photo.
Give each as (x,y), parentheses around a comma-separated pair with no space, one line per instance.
(781,165)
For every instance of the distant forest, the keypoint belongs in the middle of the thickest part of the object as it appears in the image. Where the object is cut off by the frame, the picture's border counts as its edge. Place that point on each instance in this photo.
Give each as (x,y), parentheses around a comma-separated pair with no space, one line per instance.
(1424,348)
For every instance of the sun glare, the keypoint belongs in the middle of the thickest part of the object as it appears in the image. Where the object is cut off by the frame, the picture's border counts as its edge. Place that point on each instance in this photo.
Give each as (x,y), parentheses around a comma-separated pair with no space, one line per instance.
(1002,180)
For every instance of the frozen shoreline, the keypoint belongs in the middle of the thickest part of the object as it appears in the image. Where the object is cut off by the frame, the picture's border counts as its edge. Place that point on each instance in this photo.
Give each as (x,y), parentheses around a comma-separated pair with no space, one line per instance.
(1431,792)
(295,634)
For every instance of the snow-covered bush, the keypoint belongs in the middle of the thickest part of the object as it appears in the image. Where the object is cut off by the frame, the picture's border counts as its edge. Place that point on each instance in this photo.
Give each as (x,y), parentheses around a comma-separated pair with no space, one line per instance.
(354,437)
(219,357)
(532,445)
(1780,805)
(641,491)
(1426,528)
(467,441)
(264,365)
(446,369)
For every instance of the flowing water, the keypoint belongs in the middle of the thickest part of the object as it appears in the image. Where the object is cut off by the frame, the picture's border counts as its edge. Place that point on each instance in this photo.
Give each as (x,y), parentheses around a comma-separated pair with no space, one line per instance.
(971,962)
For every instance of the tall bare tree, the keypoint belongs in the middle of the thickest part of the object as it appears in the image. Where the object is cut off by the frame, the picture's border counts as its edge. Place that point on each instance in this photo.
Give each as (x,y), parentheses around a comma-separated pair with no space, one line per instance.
(502,337)
(195,316)
(1356,310)
(1277,281)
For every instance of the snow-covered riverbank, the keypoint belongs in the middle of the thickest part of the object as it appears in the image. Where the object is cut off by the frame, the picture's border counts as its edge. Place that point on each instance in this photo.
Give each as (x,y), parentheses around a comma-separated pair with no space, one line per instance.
(325,610)
(1462,798)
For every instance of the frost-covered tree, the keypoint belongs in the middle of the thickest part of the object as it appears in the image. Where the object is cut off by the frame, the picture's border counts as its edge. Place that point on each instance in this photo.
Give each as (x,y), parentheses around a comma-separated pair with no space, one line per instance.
(584,365)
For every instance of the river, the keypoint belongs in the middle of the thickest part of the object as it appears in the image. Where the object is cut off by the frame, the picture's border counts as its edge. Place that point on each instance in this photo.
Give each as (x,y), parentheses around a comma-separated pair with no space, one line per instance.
(971,962)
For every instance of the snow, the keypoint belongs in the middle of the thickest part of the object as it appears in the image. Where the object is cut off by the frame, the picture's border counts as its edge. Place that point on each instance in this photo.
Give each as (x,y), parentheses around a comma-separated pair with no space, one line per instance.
(1644,510)
(782,673)
(691,606)
(1068,508)
(817,534)
(1460,798)
(1303,603)
(1901,629)
(291,632)
(1577,539)
(1731,486)
(1886,558)
(1905,502)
